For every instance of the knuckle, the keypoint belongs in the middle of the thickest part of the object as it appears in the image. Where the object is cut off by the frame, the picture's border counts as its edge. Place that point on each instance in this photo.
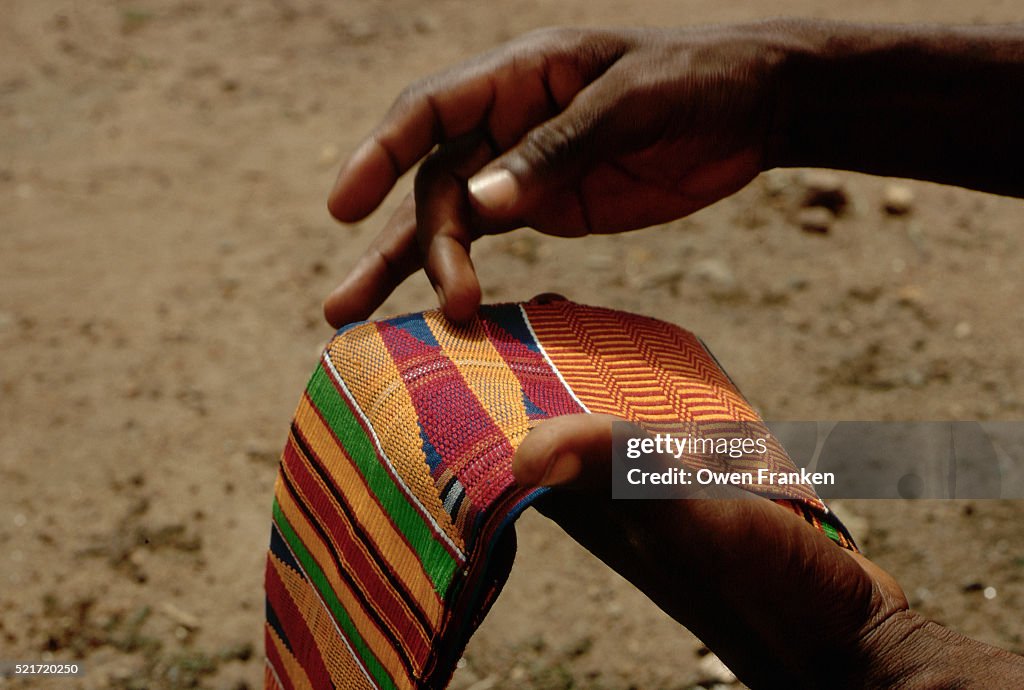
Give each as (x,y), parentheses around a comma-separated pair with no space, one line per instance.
(554,142)
(553,37)
(413,93)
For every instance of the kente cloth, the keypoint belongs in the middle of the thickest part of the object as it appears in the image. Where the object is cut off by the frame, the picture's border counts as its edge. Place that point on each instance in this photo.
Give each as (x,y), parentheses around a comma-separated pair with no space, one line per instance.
(395,489)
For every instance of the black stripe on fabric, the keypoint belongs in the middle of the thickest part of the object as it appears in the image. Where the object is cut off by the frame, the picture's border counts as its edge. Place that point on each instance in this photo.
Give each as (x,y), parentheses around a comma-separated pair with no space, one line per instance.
(368,606)
(458,501)
(280,549)
(447,488)
(364,538)
(274,623)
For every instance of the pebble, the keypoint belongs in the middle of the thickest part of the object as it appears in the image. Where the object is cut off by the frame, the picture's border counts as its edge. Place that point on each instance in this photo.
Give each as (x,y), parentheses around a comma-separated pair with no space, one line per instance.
(329,154)
(712,669)
(910,295)
(824,189)
(845,327)
(426,24)
(798,283)
(898,200)
(914,378)
(613,609)
(667,278)
(815,219)
(595,261)
(776,182)
(990,593)
(183,618)
(358,31)
(718,277)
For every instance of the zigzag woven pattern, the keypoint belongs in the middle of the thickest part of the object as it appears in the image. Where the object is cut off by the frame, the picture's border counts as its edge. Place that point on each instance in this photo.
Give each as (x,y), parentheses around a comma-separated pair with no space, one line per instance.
(395,484)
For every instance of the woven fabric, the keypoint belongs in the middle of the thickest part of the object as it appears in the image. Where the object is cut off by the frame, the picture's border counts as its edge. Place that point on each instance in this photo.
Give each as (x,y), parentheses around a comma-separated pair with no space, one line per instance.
(395,488)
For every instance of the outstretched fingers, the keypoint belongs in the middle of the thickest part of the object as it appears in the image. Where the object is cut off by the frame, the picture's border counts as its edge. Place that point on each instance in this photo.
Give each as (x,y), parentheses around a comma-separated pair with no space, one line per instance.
(505,93)
(445,224)
(391,258)
(427,113)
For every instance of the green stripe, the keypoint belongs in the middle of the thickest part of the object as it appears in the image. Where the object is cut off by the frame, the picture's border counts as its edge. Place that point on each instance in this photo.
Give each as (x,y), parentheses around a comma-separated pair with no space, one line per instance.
(319,580)
(437,561)
(830,531)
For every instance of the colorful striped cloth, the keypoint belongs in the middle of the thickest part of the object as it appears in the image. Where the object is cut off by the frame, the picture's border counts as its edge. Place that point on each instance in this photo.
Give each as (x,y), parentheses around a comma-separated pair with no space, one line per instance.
(395,484)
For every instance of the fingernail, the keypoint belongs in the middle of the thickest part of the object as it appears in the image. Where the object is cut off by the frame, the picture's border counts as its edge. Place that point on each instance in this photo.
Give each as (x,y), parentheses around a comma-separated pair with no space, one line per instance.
(440,296)
(494,190)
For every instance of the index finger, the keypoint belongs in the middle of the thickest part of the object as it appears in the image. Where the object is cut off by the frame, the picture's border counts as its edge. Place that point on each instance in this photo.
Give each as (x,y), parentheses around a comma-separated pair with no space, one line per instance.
(504,93)
(429,112)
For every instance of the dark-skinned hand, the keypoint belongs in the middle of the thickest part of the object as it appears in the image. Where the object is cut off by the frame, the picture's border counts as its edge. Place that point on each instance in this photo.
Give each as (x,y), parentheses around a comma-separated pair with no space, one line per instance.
(573,132)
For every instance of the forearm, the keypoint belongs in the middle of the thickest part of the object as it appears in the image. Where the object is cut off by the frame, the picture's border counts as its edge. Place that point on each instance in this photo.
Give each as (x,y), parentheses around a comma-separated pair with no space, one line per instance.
(914,653)
(935,103)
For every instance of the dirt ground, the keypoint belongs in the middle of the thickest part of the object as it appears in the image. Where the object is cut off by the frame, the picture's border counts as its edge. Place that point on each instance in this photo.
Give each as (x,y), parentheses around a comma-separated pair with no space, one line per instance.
(164,247)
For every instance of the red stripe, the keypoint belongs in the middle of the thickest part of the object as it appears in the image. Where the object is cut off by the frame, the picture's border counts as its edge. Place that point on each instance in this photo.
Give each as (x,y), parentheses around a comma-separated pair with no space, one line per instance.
(436,388)
(299,637)
(399,534)
(376,591)
(270,681)
(535,375)
(275,660)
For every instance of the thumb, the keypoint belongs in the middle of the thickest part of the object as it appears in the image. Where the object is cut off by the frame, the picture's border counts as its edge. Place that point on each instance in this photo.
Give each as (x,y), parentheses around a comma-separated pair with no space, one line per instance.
(550,156)
(573,450)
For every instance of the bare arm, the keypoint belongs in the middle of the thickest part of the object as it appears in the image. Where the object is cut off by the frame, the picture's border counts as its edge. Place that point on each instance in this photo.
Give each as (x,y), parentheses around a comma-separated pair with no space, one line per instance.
(780,603)
(935,103)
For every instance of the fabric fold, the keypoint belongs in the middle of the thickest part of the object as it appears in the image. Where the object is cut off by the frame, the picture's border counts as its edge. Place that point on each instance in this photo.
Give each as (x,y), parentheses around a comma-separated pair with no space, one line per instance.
(395,499)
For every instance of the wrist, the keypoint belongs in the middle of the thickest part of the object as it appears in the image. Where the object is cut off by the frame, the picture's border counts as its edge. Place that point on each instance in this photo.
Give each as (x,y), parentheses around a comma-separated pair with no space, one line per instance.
(849,94)
(800,46)
(770,57)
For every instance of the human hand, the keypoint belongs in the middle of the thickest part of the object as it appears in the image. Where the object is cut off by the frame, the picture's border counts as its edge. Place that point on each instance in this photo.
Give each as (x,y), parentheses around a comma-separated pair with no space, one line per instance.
(778,602)
(567,131)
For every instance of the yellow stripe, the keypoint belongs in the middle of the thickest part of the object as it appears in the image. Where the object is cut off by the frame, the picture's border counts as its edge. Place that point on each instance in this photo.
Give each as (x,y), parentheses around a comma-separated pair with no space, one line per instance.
(373,519)
(377,387)
(486,373)
(297,676)
(345,671)
(347,556)
(367,629)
